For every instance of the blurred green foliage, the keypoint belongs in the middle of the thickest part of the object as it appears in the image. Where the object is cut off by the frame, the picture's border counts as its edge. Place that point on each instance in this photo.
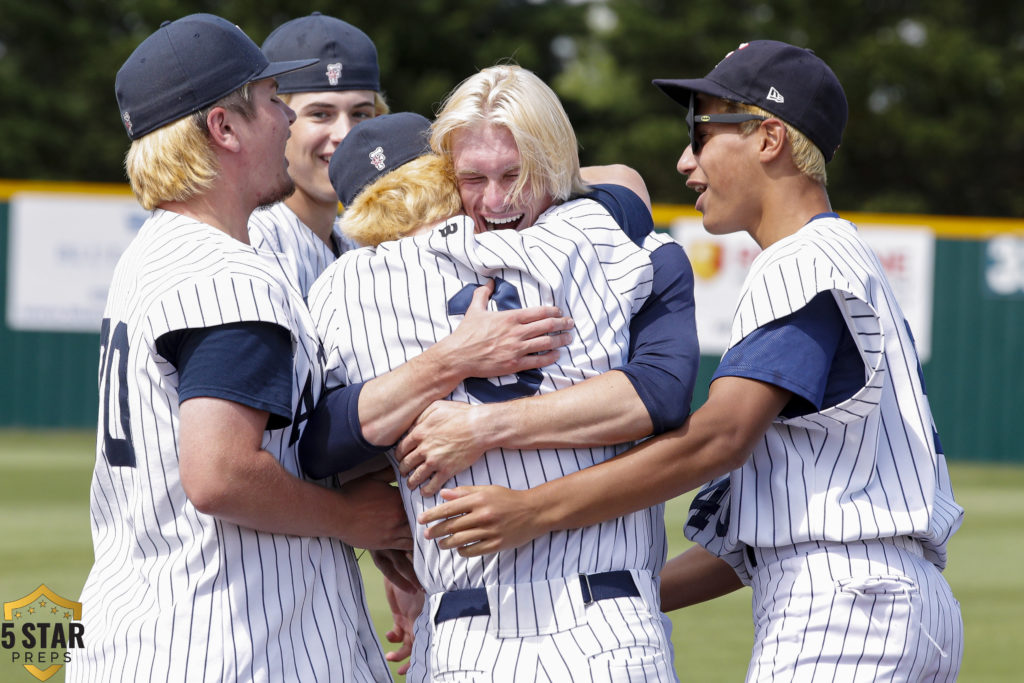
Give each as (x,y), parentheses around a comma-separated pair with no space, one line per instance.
(935,86)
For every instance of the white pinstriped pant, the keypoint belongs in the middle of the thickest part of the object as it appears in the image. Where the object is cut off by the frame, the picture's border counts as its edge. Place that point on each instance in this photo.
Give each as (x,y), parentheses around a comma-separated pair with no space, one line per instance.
(612,640)
(862,611)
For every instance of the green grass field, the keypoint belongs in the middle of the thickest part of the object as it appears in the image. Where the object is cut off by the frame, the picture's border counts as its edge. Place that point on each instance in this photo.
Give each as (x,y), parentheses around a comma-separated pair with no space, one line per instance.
(44,538)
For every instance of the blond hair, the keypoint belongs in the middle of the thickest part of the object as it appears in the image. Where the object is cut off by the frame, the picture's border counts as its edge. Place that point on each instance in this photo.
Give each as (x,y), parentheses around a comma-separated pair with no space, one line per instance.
(806,156)
(175,162)
(417,193)
(510,96)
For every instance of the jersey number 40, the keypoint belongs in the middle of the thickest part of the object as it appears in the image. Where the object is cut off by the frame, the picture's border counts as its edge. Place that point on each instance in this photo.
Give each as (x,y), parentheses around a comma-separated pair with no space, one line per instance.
(118,450)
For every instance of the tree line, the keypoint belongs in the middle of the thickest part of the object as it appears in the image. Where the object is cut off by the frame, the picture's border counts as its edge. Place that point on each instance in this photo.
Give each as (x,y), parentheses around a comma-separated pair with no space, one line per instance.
(935,86)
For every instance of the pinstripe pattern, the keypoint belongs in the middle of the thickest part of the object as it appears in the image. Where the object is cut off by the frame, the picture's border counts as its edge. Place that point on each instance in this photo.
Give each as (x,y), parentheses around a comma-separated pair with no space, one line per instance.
(867,472)
(868,467)
(175,594)
(277,228)
(609,640)
(376,309)
(864,611)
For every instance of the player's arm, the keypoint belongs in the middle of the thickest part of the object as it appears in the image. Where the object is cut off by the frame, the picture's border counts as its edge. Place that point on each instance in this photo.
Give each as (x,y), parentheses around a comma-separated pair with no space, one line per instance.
(753,386)
(695,576)
(356,422)
(650,394)
(485,344)
(235,382)
(716,439)
(226,474)
(617,174)
(405,607)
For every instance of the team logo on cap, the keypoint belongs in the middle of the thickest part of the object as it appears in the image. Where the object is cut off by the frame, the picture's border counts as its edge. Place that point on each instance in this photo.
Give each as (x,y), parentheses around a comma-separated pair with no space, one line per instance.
(742,46)
(377,158)
(126,117)
(334,73)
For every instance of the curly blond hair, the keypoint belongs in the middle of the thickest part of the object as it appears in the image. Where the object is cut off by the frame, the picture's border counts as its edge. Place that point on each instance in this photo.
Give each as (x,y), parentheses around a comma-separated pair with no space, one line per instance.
(418,193)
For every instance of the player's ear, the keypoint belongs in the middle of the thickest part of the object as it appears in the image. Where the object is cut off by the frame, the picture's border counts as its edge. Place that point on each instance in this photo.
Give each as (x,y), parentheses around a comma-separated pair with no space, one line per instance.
(219,123)
(773,138)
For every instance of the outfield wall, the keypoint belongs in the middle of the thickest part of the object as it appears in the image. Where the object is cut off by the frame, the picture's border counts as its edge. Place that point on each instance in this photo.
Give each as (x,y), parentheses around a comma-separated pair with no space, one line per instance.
(975,322)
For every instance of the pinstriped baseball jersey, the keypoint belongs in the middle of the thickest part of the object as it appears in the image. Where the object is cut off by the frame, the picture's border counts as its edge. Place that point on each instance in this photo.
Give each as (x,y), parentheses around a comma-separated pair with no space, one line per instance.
(376,309)
(175,594)
(870,467)
(277,228)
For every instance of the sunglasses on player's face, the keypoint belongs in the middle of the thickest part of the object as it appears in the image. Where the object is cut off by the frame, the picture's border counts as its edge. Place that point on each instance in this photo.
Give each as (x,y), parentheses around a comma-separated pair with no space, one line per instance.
(692,120)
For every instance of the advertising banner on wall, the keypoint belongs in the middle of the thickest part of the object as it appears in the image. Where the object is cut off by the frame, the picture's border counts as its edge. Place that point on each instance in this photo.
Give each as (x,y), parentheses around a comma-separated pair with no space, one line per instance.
(61,254)
(720,263)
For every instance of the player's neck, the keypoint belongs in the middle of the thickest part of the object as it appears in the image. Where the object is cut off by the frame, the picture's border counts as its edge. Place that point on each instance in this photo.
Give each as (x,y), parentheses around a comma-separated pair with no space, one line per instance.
(228,217)
(317,215)
(784,213)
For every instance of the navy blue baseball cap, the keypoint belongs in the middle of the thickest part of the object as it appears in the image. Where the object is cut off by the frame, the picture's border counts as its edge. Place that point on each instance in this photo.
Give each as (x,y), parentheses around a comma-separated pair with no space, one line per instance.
(375,147)
(348,58)
(791,82)
(185,65)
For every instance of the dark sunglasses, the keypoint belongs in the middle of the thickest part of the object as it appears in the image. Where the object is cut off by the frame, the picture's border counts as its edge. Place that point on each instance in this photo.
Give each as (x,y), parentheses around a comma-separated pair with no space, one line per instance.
(691,120)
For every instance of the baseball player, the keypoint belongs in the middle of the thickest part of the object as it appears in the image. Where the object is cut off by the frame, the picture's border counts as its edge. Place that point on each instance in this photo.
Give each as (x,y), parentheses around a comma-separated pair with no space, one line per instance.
(830,494)
(510,169)
(330,98)
(576,606)
(216,558)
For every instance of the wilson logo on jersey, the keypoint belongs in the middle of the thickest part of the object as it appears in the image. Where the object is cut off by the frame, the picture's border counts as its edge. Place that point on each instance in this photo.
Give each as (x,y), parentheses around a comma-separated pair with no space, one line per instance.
(448,229)
(39,629)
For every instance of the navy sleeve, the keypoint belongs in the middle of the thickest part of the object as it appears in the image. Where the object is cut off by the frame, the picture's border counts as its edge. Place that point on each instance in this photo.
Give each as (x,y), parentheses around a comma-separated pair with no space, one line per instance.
(248,363)
(333,439)
(628,210)
(664,354)
(663,351)
(809,352)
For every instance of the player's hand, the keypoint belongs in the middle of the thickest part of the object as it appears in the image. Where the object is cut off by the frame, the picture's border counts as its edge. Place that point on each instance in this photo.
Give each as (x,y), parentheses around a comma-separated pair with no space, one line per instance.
(444,440)
(396,566)
(493,343)
(373,516)
(478,520)
(405,607)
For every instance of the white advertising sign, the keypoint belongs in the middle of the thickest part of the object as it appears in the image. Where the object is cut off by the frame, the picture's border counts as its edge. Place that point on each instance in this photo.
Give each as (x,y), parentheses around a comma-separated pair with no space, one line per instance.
(720,263)
(62,251)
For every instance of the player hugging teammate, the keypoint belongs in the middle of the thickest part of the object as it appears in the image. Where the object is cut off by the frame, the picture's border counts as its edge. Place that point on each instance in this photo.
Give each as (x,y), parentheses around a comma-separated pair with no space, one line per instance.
(241,433)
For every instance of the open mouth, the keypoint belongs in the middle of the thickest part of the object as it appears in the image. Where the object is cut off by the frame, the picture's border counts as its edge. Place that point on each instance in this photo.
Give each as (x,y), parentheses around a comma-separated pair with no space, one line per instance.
(503,223)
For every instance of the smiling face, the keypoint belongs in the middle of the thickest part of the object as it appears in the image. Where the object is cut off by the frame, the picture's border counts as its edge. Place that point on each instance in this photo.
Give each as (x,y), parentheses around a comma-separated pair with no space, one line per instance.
(323,119)
(487,168)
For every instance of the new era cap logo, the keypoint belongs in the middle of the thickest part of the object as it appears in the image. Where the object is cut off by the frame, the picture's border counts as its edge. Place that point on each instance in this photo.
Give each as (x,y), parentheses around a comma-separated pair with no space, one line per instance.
(775,96)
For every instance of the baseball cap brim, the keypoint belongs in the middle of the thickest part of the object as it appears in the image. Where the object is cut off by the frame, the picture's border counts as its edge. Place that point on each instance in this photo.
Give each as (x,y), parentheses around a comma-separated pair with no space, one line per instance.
(680,89)
(278,68)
